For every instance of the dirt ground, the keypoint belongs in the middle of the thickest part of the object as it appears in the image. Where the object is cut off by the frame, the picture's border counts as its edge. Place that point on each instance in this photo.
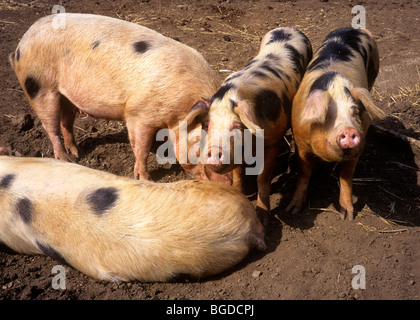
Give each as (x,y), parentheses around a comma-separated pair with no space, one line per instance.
(310,255)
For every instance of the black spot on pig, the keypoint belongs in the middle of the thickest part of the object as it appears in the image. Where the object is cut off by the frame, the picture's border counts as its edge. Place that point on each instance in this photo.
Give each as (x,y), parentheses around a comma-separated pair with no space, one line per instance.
(25,208)
(297,58)
(259,74)
(272,56)
(372,73)
(102,199)
(250,64)
(279,36)
(308,45)
(141,46)
(96,44)
(7,180)
(272,69)
(351,37)
(32,86)
(267,105)
(235,75)
(341,44)
(222,91)
(331,51)
(17,54)
(323,81)
(53,254)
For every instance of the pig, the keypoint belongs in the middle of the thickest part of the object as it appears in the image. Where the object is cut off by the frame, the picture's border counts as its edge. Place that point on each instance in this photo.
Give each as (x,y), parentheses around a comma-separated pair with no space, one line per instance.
(258,97)
(110,69)
(120,229)
(332,110)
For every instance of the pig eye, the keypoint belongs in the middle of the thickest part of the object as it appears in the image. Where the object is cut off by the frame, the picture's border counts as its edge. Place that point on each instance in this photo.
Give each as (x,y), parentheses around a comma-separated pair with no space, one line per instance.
(354,111)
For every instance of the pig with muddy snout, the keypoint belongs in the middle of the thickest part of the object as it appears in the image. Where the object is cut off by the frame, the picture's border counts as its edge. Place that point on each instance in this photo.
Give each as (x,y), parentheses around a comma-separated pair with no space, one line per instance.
(109,69)
(332,110)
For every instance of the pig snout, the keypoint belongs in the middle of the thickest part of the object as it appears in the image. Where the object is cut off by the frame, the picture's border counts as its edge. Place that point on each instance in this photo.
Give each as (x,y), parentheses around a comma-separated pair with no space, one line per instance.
(348,138)
(215,156)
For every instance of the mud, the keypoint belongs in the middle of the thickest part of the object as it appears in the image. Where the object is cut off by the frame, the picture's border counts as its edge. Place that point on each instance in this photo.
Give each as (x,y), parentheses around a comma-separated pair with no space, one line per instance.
(310,255)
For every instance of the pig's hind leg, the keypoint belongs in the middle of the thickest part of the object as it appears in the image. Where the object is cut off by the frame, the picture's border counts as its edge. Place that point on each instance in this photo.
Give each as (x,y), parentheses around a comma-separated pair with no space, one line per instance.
(47,106)
(68,114)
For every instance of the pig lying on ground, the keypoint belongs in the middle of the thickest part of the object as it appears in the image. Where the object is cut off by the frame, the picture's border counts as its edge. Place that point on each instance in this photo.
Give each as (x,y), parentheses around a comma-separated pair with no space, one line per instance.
(332,109)
(116,228)
(109,69)
(256,97)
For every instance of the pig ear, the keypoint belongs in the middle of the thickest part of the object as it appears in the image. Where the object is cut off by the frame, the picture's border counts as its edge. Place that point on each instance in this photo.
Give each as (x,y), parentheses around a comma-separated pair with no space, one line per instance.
(198,113)
(364,97)
(246,115)
(316,107)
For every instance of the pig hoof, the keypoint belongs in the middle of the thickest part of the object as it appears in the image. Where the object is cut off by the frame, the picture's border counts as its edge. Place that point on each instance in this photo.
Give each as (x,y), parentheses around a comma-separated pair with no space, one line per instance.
(347,212)
(63,157)
(74,152)
(292,208)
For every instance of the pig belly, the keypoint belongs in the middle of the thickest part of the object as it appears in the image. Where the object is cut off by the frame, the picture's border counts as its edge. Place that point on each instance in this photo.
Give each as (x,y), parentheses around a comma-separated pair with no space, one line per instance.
(100,98)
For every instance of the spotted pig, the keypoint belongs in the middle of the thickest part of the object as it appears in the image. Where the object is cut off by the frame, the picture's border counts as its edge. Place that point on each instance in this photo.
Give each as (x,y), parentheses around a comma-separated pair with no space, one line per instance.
(116,228)
(109,69)
(254,98)
(332,110)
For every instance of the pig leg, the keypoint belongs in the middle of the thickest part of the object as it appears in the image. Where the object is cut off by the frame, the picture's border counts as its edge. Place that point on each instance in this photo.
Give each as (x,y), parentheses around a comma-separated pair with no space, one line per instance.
(47,107)
(141,139)
(68,114)
(305,171)
(264,183)
(346,184)
(237,178)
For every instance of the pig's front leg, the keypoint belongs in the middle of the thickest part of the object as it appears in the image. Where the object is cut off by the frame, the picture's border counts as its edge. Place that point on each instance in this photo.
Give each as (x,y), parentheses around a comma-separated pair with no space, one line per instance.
(346,185)
(237,178)
(305,171)
(264,183)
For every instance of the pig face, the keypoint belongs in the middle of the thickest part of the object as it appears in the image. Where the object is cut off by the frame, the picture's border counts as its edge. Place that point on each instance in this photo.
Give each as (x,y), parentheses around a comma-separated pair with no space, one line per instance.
(224,121)
(339,116)
(224,138)
(195,126)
